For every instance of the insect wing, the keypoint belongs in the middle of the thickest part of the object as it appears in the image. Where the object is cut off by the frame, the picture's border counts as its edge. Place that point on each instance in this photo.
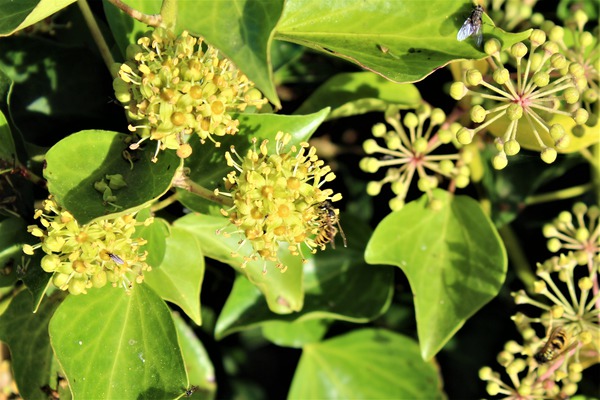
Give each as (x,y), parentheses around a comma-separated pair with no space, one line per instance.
(478,35)
(466,30)
(116,259)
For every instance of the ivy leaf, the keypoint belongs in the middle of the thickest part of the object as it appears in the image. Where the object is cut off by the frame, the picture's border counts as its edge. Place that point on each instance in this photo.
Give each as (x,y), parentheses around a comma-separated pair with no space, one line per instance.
(197,363)
(13,234)
(295,334)
(355,93)
(453,258)
(78,161)
(337,285)
(208,168)
(283,291)
(26,334)
(178,278)
(17,15)
(124,346)
(365,364)
(401,40)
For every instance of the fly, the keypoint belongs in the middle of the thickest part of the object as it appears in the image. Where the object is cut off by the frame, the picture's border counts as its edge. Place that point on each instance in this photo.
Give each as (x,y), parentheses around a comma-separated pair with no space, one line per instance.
(472,27)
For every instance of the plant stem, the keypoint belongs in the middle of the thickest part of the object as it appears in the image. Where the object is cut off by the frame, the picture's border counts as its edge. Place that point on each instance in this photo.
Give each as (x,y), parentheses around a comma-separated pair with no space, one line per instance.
(517,257)
(168,12)
(96,33)
(164,203)
(559,194)
(183,182)
(148,19)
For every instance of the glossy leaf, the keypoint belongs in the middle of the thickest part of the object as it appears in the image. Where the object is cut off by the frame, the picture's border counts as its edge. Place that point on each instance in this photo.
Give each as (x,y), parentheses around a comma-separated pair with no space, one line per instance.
(295,334)
(124,346)
(453,258)
(207,164)
(20,14)
(402,40)
(365,364)
(355,93)
(156,235)
(337,284)
(77,162)
(178,278)
(26,334)
(200,370)
(240,29)
(283,291)
(13,234)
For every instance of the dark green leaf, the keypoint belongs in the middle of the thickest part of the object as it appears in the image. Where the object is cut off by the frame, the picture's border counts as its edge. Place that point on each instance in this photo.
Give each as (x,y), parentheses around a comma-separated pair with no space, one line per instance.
(13,234)
(197,363)
(20,14)
(26,334)
(338,285)
(208,167)
(75,163)
(178,278)
(295,334)
(358,93)
(453,258)
(124,346)
(365,364)
(402,40)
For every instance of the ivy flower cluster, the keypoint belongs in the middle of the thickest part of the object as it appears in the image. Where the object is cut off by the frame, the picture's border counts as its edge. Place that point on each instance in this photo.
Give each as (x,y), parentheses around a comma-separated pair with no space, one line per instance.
(173,87)
(408,154)
(84,256)
(277,198)
(538,102)
(569,284)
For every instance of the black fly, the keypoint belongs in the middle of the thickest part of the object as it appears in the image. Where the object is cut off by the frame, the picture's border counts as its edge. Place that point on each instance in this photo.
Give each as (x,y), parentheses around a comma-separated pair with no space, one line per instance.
(472,27)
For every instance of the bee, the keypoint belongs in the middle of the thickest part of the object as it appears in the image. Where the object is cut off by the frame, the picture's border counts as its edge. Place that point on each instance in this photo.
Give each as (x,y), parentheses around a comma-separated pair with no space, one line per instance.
(472,27)
(328,219)
(554,347)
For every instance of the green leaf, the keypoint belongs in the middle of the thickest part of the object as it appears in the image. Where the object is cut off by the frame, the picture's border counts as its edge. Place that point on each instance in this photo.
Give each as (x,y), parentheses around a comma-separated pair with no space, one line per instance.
(77,162)
(208,167)
(20,14)
(453,258)
(26,334)
(355,93)
(295,334)
(401,40)
(200,370)
(337,284)
(240,29)
(365,364)
(283,291)
(13,234)
(179,276)
(156,234)
(114,345)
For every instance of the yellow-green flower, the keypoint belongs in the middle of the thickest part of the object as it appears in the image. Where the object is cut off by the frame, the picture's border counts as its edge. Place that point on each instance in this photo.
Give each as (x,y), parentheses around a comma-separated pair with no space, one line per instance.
(276,197)
(85,256)
(174,87)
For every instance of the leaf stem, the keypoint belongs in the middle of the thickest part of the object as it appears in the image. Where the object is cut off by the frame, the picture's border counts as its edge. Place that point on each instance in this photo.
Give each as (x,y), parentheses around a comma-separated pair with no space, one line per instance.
(168,13)
(182,181)
(517,256)
(164,203)
(148,19)
(559,194)
(96,33)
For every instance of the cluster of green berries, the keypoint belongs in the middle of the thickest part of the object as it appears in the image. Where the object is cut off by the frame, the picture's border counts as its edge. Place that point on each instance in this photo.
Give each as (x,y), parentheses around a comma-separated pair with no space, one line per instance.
(174,86)
(408,153)
(85,256)
(537,105)
(276,197)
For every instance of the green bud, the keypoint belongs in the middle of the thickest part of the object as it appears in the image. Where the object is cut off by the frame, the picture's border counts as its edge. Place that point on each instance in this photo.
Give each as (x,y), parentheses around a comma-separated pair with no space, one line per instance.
(121,89)
(478,114)
(549,230)
(437,116)
(557,131)
(446,166)
(539,287)
(465,135)
(50,262)
(501,76)
(445,136)
(514,111)
(369,164)
(485,373)
(548,155)
(500,161)
(571,95)
(77,286)
(396,204)
(581,116)
(586,39)
(100,186)
(550,48)
(585,283)
(492,46)
(420,145)
(462,181)
(370,146)
(537,37)
(576,69)
(473,77)
(492,388)
(541,78)
(411,120)
(580,18)
(393,142)
(511,147)
(458,90)
(558,61)
(518,50)
(59,280)
(379,130)
(398,187)
(554,245)
(557,33)
(517,366)
(373,188)
(590,95)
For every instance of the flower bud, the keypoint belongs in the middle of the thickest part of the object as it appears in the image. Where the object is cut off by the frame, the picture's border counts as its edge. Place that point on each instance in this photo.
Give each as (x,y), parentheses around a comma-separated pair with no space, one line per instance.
(370,146)
(581,116)
(558,61)
(512,147)
(473,77)
(379,130)
(585,283)
(518,50)
(586,39)
(373,188)
(550,48)
(541,78)
(485,373)
(537,37)
(369,164)
(557,33)
(500,161)
(420,145)
(554,245)
(464,135)
(478,114)
(548,155)
(411,120)
(492,46)
(396,204)
(514,111)
(458,90)
(437,116)
(501,76)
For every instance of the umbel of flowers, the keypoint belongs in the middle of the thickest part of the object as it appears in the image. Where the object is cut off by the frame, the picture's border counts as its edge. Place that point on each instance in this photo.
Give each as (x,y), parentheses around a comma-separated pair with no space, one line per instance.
(277,198)
(542,87)
(568,295)
(91,255)
(412,151)
(174,86)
